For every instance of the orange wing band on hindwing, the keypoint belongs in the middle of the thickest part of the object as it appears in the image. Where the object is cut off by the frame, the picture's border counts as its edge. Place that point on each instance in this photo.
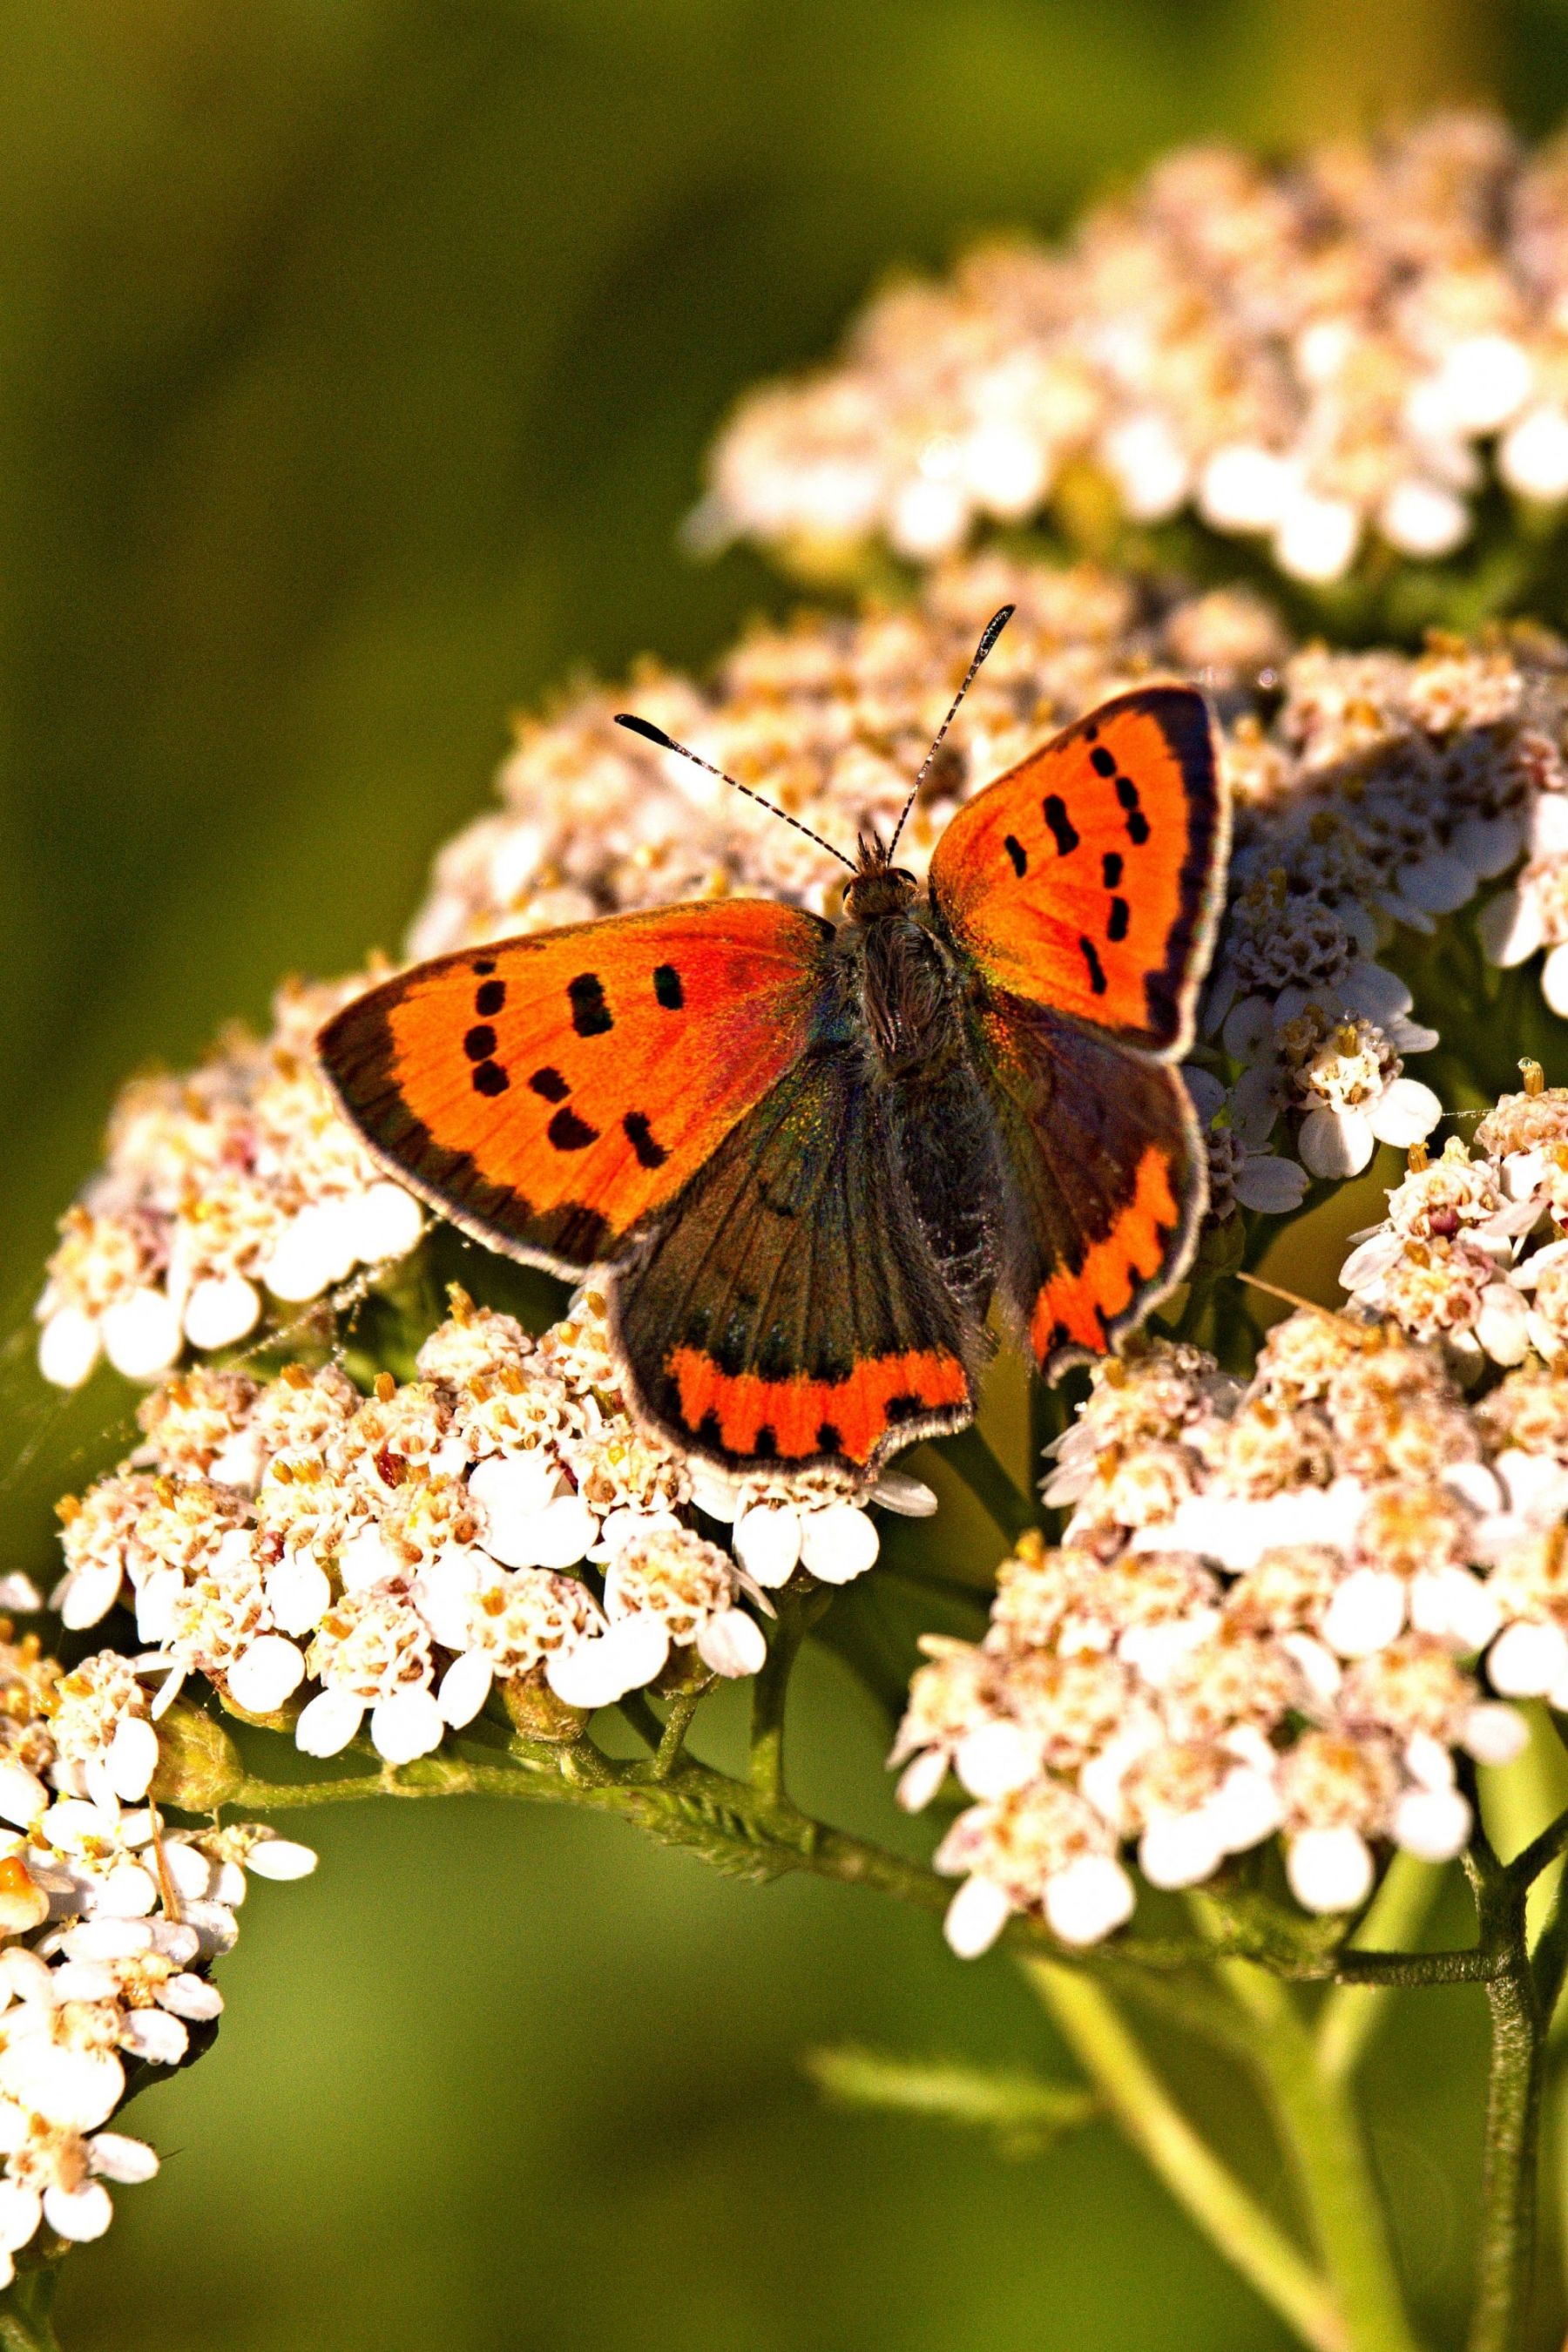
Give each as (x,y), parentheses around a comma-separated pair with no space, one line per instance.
(549,1093)
(1089,878)
(796,1419)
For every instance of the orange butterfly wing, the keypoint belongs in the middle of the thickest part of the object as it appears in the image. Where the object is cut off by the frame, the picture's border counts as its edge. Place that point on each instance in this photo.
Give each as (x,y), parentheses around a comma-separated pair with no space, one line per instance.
(549,1093)
(1088,877)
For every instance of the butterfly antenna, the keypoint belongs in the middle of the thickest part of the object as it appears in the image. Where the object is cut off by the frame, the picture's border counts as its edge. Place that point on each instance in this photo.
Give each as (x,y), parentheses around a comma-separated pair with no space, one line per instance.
(994,628)
(645,727)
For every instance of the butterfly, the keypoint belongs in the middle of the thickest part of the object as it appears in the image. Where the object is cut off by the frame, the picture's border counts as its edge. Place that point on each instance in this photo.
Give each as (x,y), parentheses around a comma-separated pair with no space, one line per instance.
(810,1157)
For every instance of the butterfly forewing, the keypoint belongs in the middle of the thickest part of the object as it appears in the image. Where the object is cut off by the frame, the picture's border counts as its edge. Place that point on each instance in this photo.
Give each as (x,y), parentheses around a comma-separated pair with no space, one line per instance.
(551,1093)
(1106,1178)
(1088,876)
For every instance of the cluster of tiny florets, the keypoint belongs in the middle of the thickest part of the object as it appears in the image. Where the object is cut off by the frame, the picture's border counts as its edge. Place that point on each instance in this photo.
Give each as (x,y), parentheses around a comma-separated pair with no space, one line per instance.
(224,1188)
(108,1930)
(1316,355)
(1473,1254)
(1284,1609)
(337,1561)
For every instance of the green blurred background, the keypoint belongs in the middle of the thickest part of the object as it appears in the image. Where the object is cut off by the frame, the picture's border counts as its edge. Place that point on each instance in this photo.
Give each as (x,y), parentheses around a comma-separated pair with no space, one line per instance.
(356,362)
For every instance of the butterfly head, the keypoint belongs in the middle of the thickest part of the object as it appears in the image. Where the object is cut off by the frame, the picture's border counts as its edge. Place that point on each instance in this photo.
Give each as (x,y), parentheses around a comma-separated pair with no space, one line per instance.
(878,888)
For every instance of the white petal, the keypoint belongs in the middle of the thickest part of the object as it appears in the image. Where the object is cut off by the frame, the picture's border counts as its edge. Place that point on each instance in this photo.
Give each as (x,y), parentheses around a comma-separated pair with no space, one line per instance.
(23,1796)
(732,1643)
(367,1559)
(1404,1113)
(91,1593)
(465,1687)
(299,1592)
(710,1491)
(1438,882)
(122,2159)
(1502,1326)
(68,1347)
(78,2089)
(1377,994)
(767,1543)
(1432,1823)
(194,1998)
(1495,1734)
(1526,1660)
(1532,456)
(328,1723)
(80,2214)
(157,1598)
(407,1725)
(597,1672)
(838,1544)
(155,2037)
(1087,1900)
(1204,1091)
(1243,487)
(1180,1849)
(1366,1612)
(21,2210)
(1371,1259)
(975,1917)
(266,1676)
(1554,981)
(1336,1143)
(133,1758)
(1316,538)
(1511,928)
(910,1498)
(281,1859)
(995,1759)
(1272,1186)
(921,1779)
(388,1222)
(220,1310)
(1422,519)
(1488,845)
(1248,1030)
(929,518)
(142,1333)
(1246,1808)
(1329,1869)
(314,1250)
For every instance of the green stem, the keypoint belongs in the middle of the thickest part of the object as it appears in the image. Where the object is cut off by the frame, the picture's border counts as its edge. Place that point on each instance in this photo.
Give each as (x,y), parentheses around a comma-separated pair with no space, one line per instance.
(1317,2127)
(769,1690)
(1353,2012)
(1508,2188)
(25,2306)
(1211,2196)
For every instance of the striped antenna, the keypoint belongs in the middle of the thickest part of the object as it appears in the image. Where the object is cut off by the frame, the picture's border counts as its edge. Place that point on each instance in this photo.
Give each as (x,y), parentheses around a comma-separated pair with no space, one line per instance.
(994,628)
(646,728)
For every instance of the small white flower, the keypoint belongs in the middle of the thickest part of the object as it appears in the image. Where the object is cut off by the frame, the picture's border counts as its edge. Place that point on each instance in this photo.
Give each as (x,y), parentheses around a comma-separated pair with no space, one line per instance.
(220,1310)
(1329,1869)
(70,1345)
(142,1333)
(1527,1660)
(977,1916)
(1432,1823)
(1084,1903)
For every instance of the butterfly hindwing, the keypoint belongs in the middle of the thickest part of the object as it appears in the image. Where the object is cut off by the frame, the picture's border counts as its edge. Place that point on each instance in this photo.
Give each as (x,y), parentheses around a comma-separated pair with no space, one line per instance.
(1106,1179)
(1088,878)
(790,1313)
(549,1093)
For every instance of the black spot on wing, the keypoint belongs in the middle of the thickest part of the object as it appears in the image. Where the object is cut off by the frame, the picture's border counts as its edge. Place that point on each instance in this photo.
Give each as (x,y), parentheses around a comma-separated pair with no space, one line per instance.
(1018,854)
(567,1133)
(1137,822)
(480,1042)
(489,998)
(1121,915)
(666,987)
(765,1445)
(590,1013)
(1063,830)
(1096,969)
(485,964)
(1111,866)
(1102,762)
(489,1078)
(550,1084)
(829,1439)
(639,1135)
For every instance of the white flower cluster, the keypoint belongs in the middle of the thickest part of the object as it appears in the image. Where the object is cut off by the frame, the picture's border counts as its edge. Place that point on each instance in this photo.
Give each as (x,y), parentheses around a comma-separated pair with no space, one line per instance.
(232,1182)
(108,1930)
(1312,355)
(1282,1609)
(1471,1255)
(333,1557)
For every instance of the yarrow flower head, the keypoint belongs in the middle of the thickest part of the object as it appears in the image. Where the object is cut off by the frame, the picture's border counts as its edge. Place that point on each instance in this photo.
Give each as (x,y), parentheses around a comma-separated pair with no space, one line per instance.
(1316,355)
(1279,1610)
(384,1561)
